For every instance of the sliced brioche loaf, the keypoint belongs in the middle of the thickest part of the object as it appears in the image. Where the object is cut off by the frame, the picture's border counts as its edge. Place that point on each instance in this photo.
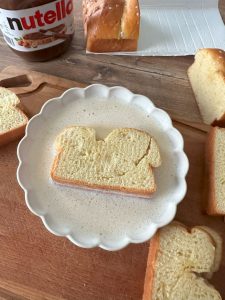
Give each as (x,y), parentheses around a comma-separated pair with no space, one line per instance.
(207,78)
(122,162)
(176,256)
(215,166)
(12,119)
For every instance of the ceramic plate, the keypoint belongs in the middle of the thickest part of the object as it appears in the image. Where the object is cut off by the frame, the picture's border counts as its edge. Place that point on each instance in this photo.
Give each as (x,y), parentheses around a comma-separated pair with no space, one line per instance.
(94,218)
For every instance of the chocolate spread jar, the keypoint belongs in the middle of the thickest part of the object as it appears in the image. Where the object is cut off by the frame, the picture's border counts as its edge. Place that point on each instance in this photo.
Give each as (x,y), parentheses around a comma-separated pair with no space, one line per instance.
(37,30)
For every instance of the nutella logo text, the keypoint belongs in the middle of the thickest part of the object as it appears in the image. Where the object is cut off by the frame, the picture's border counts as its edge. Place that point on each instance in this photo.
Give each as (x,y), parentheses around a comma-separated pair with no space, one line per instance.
(39,19)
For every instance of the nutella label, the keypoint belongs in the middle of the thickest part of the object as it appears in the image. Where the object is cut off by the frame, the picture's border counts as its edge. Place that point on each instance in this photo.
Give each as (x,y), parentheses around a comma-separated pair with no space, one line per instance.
(39,27)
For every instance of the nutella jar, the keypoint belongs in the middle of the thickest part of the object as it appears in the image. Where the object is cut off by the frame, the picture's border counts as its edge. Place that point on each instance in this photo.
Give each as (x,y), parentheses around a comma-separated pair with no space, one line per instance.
(37,30)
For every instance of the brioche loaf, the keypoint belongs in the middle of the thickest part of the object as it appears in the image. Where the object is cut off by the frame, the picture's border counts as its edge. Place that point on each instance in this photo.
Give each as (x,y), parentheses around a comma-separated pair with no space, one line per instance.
(176,256)
(111,25)
(12,120)
(215,166)
(122,162)
(207,78)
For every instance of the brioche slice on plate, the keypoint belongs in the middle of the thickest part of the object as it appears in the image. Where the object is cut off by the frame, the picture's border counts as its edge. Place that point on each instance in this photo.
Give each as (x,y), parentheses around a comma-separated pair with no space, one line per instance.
(177,258)
(12,120)
(207,78)
(122,162)
(215,166)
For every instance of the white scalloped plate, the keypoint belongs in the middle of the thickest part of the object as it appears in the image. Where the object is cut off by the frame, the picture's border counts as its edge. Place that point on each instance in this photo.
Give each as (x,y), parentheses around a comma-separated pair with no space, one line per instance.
(93,218)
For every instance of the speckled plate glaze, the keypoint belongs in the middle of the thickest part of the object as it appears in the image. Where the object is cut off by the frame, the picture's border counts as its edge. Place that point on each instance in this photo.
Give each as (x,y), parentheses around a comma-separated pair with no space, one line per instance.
(94,218)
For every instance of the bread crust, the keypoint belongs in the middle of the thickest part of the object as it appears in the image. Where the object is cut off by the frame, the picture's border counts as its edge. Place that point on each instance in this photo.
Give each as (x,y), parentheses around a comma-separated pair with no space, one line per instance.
(151,265)
(112,45)
(110,25)
(15,133)
(210,170)
(216,55)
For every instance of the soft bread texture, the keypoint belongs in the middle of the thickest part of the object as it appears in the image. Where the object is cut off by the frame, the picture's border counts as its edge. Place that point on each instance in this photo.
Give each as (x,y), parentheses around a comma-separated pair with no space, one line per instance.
(207,78)
(177,257)
(122,162)
(12,120)
(217,240)
(215,166)
(191,287)
(111,25)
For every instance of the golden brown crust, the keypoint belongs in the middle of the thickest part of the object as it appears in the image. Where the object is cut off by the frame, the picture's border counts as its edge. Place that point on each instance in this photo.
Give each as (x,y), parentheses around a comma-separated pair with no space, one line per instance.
(110,25)
(151,265)
(131,20)
(210,167)
(12,135)
(103,18)
(218,56)
(79,183)
(15,133)
(111,45)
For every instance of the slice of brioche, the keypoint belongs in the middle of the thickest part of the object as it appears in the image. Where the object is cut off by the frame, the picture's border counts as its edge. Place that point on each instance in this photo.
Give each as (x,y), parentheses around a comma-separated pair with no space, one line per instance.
(122,162)
(12,120)
(207,78)
(218,242)
(215,170)
(192,287)
(177,255)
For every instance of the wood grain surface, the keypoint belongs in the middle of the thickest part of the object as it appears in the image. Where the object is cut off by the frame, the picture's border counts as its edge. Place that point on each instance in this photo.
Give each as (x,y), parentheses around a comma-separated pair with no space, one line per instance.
(34,264)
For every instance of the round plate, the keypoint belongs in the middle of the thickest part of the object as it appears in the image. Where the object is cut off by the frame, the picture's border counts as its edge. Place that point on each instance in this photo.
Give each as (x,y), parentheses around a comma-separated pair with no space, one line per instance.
(95,218)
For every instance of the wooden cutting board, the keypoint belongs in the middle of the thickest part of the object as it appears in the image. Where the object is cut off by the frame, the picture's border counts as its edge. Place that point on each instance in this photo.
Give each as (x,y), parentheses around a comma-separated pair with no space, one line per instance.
(34,264)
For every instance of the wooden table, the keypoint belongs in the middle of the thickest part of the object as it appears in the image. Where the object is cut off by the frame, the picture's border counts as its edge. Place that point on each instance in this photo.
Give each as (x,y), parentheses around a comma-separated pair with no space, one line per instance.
(35,264)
